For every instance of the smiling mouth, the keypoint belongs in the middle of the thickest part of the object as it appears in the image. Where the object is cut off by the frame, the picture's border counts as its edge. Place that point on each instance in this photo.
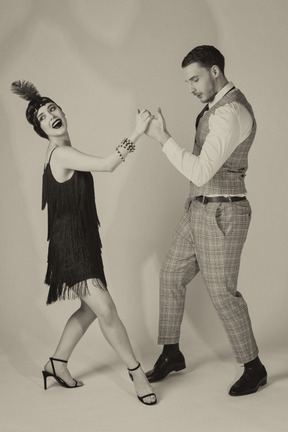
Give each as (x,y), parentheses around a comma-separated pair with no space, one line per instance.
(56,124)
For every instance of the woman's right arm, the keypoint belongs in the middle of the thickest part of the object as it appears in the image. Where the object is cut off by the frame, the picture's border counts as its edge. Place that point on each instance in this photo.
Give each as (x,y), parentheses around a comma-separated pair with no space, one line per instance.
(72,159)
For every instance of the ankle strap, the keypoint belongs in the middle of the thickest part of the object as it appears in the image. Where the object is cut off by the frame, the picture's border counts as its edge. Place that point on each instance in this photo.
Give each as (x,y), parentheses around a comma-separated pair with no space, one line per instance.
(137,367)
(52,359)
(55,359)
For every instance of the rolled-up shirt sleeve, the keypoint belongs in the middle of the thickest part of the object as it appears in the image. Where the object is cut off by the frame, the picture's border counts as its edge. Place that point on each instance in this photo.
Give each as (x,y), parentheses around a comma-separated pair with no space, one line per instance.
(228,127)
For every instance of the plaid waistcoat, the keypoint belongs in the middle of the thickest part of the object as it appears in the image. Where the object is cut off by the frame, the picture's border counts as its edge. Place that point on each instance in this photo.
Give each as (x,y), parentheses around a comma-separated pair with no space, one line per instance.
(230,177)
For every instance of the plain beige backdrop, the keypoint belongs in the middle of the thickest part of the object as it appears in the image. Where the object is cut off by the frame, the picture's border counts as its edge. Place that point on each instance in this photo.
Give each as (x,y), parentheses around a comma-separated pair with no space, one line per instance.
(100,60)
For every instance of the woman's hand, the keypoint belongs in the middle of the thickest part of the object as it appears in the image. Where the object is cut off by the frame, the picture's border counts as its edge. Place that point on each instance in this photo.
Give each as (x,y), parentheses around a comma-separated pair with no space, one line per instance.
(143,119)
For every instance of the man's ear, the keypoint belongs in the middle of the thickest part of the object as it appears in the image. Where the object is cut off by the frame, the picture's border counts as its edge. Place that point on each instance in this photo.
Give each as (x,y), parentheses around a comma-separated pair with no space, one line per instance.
(215,71)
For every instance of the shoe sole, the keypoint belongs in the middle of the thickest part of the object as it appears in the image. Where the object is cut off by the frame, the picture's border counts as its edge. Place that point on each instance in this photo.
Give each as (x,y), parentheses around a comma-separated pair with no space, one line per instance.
(261,384)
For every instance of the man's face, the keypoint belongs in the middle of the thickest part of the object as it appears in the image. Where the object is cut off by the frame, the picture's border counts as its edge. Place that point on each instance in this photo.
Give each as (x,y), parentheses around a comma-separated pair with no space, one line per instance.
(201,81)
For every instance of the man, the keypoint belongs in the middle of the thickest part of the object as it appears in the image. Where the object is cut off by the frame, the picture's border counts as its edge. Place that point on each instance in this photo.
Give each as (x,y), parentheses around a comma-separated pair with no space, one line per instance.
(211,234)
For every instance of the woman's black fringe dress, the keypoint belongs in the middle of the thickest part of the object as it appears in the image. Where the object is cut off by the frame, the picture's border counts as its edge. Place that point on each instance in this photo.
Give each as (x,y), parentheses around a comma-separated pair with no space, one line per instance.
(74,253)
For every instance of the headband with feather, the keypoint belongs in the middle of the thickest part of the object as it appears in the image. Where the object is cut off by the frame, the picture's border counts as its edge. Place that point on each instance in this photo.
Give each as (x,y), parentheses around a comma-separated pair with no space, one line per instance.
(27,91)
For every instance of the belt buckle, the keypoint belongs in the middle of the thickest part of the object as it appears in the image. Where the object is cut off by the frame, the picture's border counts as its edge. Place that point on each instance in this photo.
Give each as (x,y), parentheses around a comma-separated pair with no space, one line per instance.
(203,199)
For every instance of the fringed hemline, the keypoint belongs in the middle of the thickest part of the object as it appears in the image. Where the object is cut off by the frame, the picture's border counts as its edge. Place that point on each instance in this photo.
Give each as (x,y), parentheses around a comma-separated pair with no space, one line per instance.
(77,291)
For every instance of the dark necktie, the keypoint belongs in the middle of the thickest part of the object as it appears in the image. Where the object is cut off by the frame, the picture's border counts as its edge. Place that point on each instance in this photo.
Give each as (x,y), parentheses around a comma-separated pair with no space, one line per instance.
(206,109)
(201,114)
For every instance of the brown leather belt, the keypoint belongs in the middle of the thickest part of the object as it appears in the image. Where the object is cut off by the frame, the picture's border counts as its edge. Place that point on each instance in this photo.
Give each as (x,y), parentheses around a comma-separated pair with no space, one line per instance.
(204,200)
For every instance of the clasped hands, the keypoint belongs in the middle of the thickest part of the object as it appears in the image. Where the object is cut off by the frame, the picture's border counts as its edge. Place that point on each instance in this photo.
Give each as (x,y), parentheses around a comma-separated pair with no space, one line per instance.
(156,125)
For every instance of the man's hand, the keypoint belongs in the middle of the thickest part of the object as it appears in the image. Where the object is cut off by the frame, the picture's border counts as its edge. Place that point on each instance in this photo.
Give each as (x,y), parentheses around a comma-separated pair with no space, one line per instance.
(157,128)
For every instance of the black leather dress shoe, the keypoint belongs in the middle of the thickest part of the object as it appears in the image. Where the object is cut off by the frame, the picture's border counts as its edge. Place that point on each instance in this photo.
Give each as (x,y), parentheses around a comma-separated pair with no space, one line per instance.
(164,365)
(249,382)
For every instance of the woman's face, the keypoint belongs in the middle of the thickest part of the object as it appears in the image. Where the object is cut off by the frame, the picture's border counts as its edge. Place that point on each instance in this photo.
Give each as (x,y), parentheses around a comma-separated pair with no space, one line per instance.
(52,120)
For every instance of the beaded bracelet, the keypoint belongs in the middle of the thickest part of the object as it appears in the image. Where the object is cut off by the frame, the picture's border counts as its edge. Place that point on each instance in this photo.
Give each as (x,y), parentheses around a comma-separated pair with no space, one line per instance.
(119,153)
(127,144)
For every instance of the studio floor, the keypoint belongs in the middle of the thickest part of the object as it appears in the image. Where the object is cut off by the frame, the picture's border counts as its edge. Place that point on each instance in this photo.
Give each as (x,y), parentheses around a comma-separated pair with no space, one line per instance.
(192,400)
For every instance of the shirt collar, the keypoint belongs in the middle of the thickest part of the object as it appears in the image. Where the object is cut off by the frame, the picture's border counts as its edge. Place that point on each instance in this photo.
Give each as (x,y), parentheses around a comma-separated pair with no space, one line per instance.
(221,93)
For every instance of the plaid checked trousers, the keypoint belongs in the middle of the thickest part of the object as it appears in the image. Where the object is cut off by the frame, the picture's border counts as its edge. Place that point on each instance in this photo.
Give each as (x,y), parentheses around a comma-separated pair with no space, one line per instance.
(209,238)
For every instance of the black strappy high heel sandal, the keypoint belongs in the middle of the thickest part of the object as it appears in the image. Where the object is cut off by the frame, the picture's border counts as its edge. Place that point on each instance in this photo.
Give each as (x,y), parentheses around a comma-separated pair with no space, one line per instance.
(141,398)
(58,379)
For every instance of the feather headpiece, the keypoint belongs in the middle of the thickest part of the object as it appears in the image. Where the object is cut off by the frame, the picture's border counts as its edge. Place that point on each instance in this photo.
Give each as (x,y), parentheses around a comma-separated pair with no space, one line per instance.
(26,90)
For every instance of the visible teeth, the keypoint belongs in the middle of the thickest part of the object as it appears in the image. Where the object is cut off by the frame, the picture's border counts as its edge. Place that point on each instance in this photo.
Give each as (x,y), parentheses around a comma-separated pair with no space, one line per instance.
(57,124)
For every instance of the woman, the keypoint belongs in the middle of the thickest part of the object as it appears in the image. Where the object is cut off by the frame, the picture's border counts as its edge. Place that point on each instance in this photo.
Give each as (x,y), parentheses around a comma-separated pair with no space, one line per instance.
(75,268)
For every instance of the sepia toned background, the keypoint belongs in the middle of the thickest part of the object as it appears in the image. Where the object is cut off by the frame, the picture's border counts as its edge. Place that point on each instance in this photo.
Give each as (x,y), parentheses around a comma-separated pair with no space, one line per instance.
(100,60)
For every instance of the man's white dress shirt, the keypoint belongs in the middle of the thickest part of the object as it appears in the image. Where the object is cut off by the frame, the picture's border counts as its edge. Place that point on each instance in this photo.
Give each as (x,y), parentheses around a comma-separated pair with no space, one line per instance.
(228,127)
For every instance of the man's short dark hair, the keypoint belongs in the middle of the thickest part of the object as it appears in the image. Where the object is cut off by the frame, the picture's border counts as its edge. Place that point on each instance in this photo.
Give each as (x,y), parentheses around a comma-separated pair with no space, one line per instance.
(206,55)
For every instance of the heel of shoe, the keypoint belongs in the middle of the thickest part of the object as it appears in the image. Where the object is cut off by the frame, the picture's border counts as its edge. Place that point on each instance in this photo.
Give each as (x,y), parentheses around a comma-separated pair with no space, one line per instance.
(45,375)
(180,367)
(56,377)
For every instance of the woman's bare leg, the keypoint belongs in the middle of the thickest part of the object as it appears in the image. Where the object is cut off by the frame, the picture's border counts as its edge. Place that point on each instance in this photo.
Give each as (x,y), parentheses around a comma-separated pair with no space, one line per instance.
(101,303)
(75,328)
